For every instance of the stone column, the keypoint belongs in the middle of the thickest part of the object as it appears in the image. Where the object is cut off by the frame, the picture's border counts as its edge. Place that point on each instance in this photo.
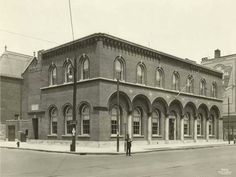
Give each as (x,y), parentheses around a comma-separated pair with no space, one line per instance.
(195,129)
(207,129)
(149,128)
(182,128)
(129,125)
(167,127)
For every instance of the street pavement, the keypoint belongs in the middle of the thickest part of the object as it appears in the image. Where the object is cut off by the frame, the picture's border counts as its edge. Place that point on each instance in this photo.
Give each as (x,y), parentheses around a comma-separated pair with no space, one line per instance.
(204,162)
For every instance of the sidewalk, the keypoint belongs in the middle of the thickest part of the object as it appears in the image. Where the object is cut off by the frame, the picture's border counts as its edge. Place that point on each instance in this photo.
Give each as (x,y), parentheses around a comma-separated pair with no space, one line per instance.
(62,148)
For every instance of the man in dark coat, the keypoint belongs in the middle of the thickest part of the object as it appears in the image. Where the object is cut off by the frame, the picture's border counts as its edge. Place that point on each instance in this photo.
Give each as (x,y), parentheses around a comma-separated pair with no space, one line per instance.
(129,144)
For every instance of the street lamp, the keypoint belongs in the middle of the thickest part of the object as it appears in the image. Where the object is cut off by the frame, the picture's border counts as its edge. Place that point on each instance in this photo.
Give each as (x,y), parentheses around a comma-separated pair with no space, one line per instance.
(118,75)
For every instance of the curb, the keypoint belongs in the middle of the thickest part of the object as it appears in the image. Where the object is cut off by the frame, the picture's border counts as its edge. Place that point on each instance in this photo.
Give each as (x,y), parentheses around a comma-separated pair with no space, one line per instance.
(122,153)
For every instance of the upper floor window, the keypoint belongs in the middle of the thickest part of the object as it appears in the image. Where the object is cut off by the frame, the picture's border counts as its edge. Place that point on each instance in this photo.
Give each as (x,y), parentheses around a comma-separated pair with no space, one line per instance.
(214,89)
(119,69)
(156,123)
(141,74)
(159,77)
(68,72)
(68,120)
(176,81)
(85,69)
(85,120)
(189,85)
(137,122)
(203,87)
(53,120)
(52,75)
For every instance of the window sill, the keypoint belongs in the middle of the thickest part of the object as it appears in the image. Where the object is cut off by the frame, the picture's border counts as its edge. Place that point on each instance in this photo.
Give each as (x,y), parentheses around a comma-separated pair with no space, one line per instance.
(69,135)
(114,136)
(187,136)
(138,136)
(156,136)
(84,136)
(52,135)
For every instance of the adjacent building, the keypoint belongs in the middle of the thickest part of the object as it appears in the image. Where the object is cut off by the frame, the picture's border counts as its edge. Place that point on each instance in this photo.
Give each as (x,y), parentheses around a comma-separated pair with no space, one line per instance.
(227,65)
(12,65)
(161,97)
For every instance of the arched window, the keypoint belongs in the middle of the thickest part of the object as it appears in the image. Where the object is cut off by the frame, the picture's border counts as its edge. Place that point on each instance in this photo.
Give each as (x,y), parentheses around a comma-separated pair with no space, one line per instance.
(114,121)
(53,120)
(68,72)
(211,125)
(159,77)
(85,120)
(176,81)
(203,87)
(189,85)
(214,89)
(52,75)
(200,125)
(119,69)
(187,124)
(85,69)
(140,74)
(68,120)
(137,122)
(156,123)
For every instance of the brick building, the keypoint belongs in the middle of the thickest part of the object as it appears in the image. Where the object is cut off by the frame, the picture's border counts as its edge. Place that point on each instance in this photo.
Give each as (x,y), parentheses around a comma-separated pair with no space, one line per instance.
(227,65)
(162,97)
(12,65)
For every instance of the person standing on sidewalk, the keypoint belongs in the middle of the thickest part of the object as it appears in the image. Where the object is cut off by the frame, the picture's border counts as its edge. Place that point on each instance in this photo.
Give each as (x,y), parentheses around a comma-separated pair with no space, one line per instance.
(129,144)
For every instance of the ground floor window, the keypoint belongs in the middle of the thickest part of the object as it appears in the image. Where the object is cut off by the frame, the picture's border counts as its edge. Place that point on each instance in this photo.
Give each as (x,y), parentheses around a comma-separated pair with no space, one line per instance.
(68,120)
(187,124)
(137,122)
(85,120)
(155,123)
(53,118)
(114,121)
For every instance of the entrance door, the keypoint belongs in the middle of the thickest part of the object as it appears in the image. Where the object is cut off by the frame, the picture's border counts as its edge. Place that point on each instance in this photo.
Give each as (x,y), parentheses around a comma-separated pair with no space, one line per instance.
(35,127)
(171,129)
(11,133)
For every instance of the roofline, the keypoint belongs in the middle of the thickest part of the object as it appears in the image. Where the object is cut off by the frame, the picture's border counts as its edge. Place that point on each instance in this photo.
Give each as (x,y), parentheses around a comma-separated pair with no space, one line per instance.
(191,62)
(16,53)
(11,76)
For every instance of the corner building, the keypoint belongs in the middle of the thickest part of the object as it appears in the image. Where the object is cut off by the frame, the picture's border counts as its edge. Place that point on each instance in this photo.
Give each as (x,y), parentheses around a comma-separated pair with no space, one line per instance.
(161,97)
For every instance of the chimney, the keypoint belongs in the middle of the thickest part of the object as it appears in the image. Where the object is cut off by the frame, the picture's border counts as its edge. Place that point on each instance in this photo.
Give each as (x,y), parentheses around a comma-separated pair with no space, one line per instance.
(217,53)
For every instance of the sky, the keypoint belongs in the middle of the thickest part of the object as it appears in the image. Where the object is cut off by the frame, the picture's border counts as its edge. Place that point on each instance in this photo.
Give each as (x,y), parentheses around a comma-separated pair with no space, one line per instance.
(190,29)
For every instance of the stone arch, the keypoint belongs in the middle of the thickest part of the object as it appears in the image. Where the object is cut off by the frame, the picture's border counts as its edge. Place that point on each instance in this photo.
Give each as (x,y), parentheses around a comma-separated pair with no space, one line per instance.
(202,108)
(190,110)
(143,101)
(175,114)
(190,106)
(143,104)
(81,104)
(124,105)
(161,105)
(124,101)
(177,106)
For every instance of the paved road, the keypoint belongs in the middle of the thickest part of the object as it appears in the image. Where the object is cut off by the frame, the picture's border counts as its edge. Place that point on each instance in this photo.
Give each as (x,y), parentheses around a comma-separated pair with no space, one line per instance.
(212,162)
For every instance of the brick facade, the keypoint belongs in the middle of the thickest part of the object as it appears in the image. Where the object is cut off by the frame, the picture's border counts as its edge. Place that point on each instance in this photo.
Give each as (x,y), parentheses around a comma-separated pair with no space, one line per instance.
(98,93)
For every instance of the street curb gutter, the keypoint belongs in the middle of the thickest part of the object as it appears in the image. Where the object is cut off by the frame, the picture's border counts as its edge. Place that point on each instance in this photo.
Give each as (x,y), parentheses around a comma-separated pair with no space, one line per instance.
(121,153)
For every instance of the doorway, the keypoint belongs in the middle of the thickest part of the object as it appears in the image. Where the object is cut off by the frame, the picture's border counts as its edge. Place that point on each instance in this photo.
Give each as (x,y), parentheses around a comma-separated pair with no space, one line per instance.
(11,133)
(35,128)
(171,129)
